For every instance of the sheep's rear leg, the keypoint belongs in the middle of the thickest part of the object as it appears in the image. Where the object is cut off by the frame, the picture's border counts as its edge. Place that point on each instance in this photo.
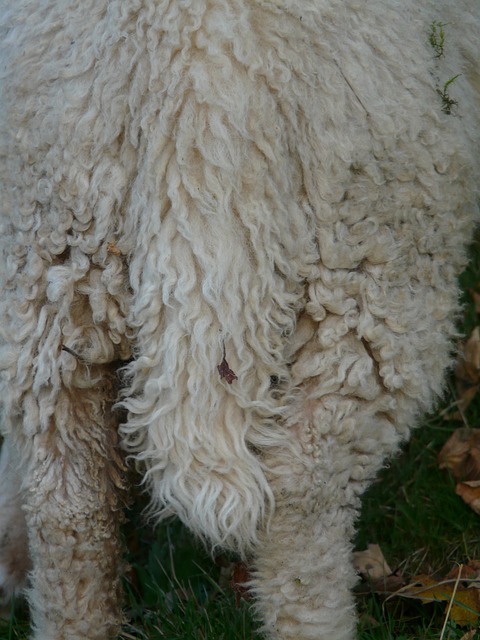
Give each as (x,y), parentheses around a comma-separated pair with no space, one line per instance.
(14,558)
(72,513)
(303,572)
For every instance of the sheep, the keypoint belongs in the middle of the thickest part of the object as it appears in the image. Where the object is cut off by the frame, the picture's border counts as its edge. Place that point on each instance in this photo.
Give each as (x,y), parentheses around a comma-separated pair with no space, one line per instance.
(230,237)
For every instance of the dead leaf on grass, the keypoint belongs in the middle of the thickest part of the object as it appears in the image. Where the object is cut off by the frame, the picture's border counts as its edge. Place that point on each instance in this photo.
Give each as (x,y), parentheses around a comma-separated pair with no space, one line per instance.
(240,576)
(461,454)
(470,494)
(465,609)
(371,563)
(468,371)
(468,368)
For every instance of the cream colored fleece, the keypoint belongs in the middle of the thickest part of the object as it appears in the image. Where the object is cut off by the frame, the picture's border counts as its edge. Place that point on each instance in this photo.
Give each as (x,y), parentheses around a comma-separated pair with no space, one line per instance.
(257,208)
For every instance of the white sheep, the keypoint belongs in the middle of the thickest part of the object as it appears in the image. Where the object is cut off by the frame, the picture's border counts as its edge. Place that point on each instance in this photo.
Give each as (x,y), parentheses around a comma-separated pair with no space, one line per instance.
(259,209)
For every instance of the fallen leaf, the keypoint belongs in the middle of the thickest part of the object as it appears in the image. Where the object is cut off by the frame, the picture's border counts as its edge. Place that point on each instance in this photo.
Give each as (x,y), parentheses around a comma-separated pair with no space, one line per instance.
(470,493)
(461,454)
(468,370)
(468,367)
(371,563)
(475,297)
(240,576)
(465,609)
(470,572)
(460,593)
(224,370)
(382,586)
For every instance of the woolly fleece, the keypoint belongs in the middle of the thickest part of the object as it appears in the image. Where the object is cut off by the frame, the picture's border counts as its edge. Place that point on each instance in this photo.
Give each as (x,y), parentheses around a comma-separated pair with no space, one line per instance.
(244,220)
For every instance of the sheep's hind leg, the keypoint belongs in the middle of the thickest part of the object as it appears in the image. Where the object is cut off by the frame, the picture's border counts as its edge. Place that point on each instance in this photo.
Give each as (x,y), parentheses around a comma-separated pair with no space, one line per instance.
(14,558)
(72,512)
(303,573)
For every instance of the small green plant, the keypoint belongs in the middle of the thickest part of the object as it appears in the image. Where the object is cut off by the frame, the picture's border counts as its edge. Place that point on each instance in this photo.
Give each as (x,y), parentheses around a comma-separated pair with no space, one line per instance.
(448,103)
(437,38)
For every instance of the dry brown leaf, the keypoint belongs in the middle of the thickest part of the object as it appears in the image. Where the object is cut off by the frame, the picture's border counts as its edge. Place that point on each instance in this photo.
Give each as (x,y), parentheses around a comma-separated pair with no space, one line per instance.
(470,635)
(461,454)
(476,298)
(465,609)
(425,588)
(385,586)
(470,494)
(468,371)
(466,393)
(240,576)
(470,572)
(460,593)
(371,563)
(468,368)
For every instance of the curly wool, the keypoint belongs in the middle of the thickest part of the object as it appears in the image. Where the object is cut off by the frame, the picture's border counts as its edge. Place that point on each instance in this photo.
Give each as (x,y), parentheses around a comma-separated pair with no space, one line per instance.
(257,210)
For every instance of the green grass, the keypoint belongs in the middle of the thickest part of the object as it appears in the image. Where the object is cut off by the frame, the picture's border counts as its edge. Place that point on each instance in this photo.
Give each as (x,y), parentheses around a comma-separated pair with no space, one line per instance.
(177,591)
(413,513)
